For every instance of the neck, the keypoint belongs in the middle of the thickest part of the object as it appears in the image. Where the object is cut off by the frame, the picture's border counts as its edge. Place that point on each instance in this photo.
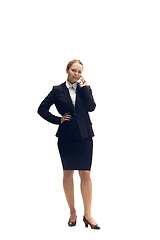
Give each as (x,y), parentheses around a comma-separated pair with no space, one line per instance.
(71,82)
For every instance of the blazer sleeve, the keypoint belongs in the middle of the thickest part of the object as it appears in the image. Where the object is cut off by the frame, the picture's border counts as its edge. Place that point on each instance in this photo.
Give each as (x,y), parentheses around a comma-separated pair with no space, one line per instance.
(44,107)
(88,98)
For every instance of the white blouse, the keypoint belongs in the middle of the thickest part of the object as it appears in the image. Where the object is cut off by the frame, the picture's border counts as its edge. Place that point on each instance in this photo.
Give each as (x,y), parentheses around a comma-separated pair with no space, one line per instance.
(72,91)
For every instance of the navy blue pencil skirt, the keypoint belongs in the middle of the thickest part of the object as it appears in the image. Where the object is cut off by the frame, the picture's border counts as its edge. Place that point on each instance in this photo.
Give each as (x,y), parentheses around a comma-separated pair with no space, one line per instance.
(76,154)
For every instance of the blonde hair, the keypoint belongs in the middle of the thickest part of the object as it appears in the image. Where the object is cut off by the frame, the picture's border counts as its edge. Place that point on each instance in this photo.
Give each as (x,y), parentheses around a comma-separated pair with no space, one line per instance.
(73,61)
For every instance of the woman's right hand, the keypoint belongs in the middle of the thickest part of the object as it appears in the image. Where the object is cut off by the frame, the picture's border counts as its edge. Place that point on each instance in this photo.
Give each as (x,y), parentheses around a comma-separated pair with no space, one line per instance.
(66,117)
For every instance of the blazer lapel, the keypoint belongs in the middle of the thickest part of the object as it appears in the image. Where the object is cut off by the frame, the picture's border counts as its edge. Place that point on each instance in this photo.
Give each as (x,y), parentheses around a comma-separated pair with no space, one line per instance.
(67,95)
(77,95)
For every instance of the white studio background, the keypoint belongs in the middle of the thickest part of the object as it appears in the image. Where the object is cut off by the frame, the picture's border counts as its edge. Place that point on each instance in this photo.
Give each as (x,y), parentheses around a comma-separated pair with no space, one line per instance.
(118,42)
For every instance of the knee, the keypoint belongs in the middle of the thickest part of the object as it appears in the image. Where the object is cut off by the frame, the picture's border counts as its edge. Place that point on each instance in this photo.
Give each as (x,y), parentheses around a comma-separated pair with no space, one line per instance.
(68,174)
(84,175)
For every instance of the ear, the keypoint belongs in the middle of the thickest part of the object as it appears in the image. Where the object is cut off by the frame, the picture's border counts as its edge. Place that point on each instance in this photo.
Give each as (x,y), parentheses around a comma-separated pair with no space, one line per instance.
(66,70)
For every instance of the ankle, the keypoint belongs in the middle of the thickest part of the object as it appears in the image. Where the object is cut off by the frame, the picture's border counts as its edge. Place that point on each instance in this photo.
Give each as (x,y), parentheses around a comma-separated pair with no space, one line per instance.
(73,211)
(87,213)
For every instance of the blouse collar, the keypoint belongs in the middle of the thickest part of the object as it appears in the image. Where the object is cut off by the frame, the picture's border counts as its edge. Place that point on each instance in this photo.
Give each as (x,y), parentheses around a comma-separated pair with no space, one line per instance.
(70,85)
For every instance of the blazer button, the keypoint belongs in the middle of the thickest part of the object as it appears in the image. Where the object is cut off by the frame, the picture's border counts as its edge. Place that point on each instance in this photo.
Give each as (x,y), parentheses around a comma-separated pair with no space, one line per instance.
(75,114)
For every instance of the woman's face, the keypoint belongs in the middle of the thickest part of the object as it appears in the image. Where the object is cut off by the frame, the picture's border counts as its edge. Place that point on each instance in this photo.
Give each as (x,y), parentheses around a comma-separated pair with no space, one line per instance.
(74,72)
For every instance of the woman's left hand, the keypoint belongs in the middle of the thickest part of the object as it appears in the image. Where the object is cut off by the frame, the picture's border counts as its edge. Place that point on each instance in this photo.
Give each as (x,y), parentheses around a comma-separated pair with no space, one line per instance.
(84,83)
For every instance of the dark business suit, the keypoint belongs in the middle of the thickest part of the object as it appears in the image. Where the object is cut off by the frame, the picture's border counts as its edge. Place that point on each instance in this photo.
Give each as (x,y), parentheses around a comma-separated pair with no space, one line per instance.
(61,98)
(75,155)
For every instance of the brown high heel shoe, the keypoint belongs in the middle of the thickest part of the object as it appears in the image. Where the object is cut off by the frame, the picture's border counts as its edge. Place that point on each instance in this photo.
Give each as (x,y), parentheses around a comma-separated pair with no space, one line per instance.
(72,224)
(91,225)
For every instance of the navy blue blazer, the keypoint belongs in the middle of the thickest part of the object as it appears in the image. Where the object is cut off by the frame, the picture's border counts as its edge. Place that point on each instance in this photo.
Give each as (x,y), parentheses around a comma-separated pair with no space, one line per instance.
(61,98)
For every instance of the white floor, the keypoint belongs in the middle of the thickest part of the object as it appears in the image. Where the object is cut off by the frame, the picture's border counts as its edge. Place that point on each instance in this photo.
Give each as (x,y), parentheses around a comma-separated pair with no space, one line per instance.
(33,205)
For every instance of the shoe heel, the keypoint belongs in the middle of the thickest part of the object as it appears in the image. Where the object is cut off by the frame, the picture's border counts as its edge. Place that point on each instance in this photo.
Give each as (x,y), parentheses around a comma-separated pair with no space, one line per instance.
(86,225)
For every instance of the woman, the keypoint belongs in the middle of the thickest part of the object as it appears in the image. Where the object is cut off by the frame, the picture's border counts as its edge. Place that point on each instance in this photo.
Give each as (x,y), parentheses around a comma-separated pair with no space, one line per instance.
(73,101)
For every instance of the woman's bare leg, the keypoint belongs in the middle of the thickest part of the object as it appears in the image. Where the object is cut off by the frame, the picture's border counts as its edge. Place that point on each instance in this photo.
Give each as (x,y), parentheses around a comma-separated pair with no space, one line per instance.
(86,190)
(68,186)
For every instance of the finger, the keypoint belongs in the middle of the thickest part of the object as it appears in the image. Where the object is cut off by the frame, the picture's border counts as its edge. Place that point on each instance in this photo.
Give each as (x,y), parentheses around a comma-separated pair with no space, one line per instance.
(67,113)
(68,117)
(83,85)
(83,80)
